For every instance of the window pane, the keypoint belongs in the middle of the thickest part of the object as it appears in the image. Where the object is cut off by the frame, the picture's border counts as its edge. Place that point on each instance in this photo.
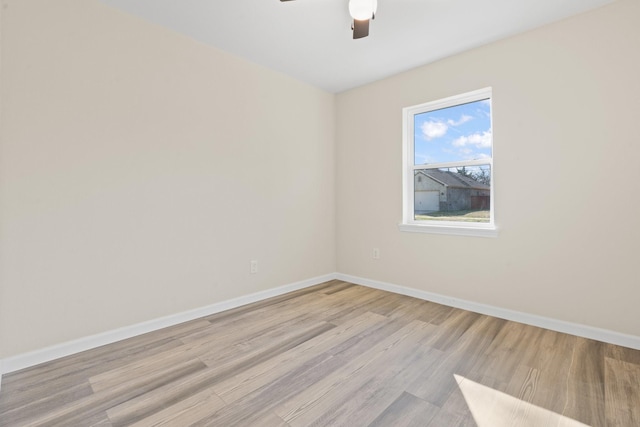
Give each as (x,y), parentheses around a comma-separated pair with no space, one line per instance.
(453,134)
(453,194)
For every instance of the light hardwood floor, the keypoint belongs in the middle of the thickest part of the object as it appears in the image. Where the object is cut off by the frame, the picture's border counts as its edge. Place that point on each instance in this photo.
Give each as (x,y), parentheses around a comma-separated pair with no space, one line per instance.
(336,354)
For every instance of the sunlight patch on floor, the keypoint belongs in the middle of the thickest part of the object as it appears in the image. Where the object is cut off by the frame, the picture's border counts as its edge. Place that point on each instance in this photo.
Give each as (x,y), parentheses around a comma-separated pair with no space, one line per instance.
(492,408)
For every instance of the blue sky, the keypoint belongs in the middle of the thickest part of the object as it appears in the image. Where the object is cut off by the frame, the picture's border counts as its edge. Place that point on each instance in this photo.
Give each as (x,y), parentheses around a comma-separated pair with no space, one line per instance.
(453,134)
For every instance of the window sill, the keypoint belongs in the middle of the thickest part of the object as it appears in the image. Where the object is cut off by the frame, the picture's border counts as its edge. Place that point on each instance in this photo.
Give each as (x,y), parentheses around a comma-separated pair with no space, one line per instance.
(453,230)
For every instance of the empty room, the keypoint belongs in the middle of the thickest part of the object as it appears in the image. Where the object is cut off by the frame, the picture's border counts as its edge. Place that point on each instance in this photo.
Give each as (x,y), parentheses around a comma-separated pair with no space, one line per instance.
(319,213)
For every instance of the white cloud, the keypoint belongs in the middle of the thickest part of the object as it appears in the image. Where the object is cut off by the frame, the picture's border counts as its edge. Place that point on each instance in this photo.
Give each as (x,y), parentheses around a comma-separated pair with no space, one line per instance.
(432,129)
(463,119)
(423,159)
(479,140)
(472,155)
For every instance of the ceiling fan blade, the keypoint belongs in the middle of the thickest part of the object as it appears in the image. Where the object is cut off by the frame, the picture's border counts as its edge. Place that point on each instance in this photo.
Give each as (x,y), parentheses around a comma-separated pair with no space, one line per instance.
(360,28)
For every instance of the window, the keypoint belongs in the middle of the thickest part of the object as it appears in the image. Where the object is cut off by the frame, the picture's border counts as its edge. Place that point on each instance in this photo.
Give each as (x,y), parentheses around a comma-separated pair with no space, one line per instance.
(448,166)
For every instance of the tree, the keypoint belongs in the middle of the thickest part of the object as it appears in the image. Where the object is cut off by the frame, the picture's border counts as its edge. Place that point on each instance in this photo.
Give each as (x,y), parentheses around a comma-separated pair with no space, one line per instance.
(480,175)
(483,176)
(465,172)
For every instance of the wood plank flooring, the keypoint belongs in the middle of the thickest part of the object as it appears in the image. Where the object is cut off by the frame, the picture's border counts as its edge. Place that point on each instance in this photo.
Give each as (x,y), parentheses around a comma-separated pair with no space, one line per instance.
(335,354)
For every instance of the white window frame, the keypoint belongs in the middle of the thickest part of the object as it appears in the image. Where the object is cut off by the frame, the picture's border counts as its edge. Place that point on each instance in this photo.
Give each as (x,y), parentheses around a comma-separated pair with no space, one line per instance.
(409,223)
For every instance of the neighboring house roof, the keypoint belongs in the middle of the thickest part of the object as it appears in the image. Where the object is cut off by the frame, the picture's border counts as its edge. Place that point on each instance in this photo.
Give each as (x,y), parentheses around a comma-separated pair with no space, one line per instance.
(454,179)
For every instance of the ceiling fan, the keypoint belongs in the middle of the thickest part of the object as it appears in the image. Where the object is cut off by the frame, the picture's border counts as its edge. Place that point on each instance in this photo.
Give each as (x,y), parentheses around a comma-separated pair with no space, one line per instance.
(362,11)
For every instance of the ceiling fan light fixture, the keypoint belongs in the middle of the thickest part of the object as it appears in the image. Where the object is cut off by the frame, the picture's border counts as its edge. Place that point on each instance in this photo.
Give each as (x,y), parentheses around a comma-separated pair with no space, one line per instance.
(363,9)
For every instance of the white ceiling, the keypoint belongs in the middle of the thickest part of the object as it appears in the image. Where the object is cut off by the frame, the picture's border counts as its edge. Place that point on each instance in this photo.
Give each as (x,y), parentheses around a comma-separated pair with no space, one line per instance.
(310,40)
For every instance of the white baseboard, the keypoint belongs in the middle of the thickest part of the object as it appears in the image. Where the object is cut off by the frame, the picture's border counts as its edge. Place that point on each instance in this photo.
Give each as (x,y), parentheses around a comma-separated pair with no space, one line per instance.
(33,358)
(584,331)
(57,351)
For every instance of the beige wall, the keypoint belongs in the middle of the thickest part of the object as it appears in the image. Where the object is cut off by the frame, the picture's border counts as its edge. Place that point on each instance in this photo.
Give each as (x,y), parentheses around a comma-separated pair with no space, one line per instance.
(566,100)
(141,172)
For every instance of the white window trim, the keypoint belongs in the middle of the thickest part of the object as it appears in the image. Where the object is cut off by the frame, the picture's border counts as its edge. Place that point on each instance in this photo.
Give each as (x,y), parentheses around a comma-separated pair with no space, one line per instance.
(408,223)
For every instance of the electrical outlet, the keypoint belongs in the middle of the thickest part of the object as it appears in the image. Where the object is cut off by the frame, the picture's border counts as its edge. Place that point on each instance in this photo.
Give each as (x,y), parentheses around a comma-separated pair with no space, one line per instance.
(376,253)
(254,266)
